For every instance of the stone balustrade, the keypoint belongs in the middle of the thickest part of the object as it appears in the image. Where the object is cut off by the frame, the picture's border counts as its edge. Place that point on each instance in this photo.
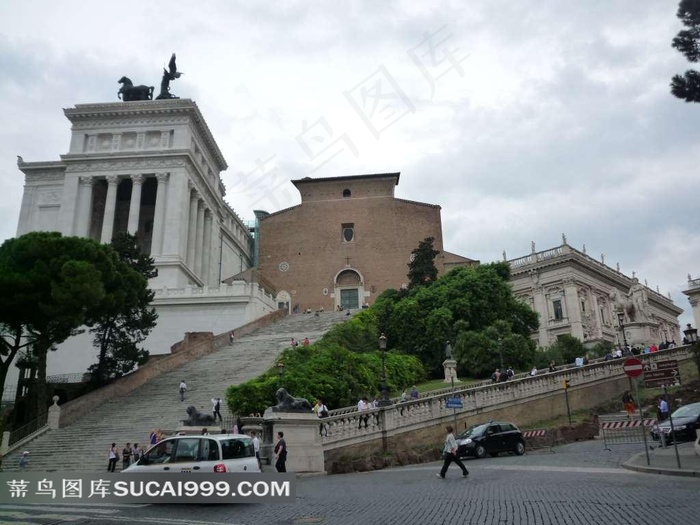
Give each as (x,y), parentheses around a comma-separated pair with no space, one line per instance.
(347,426)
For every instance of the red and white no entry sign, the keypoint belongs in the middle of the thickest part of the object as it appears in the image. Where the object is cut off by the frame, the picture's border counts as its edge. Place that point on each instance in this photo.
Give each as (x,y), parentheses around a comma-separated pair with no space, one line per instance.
(633,367)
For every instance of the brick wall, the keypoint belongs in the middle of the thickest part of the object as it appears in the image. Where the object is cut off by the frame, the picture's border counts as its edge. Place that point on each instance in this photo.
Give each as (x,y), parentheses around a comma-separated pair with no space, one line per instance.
(309,239)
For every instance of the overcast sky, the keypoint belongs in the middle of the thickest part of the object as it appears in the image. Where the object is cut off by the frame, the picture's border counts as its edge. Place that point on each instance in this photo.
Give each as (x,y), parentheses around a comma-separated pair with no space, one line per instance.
(523,120)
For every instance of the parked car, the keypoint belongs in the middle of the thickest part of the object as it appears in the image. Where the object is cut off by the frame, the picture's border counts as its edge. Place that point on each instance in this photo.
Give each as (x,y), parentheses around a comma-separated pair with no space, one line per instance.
(490,438)
(216,453)
(686,420)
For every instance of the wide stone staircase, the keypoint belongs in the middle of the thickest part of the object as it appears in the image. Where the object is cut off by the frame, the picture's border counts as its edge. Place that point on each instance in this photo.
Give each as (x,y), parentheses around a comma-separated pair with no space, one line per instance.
(83,445)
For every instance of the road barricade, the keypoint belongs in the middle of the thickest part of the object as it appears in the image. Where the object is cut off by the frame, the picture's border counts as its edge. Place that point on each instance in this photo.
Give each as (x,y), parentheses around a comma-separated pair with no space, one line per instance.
(537,439)
(619,429)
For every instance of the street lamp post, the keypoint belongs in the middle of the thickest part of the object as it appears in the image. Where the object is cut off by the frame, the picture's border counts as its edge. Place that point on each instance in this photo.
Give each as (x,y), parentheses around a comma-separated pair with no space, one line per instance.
(691,337)
(384,400)
(621,321)
(448,355)
(280,373)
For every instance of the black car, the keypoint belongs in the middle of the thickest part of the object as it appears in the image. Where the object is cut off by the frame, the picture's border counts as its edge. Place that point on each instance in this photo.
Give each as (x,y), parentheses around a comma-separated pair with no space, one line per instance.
(490,438)
(686,420)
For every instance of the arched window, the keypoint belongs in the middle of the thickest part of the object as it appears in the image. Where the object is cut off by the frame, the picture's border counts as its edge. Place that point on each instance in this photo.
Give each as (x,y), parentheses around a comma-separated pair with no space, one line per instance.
(346,193)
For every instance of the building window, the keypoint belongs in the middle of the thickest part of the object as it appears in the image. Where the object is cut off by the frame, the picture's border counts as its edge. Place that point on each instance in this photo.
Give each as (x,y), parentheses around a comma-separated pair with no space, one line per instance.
(558,312)
(348,232)
(346,193)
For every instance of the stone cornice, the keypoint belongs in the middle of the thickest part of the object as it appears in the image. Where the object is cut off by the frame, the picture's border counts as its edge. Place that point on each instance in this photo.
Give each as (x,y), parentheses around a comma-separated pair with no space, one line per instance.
(82,114)
(566,255)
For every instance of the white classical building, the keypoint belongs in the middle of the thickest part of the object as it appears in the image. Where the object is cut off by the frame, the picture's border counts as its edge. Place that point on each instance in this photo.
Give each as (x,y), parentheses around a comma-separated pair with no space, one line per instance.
(150,168)
(693,293)
(577,295)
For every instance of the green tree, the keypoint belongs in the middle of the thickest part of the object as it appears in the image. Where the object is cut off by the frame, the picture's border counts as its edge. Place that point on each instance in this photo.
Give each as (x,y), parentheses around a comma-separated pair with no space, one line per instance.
(480,353)
(465,299)
(421,269)
(127,318)
(50,285)
(687,41)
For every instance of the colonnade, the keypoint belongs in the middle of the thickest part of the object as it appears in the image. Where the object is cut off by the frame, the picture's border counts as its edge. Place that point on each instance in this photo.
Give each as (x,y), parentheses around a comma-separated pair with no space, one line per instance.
(187,230)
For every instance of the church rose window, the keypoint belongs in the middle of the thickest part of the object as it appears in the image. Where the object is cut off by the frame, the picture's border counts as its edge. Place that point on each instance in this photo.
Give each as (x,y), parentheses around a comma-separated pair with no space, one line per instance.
(284,266)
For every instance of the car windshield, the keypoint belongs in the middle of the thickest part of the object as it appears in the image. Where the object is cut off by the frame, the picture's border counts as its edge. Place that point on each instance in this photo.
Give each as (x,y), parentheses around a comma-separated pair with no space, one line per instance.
(687,411)
(474,431)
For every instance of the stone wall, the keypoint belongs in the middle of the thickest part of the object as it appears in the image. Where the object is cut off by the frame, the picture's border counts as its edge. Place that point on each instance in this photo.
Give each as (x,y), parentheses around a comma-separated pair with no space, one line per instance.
(194,345)
(413,432)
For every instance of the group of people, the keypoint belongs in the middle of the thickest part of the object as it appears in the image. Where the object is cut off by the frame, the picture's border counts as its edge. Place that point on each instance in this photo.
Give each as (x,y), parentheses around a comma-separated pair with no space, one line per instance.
(129,454)
(295,343)
(501,377)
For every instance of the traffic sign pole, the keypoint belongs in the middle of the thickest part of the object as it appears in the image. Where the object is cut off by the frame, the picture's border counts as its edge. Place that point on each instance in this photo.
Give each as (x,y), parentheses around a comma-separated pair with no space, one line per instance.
(641,419)
(673,433)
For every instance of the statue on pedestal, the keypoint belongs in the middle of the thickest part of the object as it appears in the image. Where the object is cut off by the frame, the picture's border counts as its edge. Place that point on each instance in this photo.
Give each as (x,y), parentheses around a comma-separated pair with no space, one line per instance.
(197,419)
(168,74)
(288,403)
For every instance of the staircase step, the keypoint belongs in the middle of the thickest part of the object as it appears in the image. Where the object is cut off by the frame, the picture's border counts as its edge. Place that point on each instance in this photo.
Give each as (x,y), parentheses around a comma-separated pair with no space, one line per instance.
(83,445)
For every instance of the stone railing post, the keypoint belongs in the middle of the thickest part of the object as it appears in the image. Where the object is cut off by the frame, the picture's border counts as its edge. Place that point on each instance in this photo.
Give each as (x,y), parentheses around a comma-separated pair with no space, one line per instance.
(5,443)
(54,414)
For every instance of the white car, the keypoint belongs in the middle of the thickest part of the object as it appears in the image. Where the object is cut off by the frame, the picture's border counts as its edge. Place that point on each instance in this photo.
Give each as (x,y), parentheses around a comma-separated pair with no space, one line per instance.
(216,453)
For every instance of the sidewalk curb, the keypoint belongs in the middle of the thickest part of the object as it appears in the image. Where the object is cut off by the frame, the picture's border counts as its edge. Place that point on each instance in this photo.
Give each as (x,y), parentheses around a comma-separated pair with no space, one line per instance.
(629,465)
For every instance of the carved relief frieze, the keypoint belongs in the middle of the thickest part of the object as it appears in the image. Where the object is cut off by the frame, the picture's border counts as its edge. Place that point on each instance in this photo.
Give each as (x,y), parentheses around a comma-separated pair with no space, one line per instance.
(49,197)
(46,176)
(126,165)
(120,124)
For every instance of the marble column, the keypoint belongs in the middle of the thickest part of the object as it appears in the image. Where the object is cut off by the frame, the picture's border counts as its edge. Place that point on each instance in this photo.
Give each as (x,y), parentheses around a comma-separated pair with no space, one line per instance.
(84,220)
(200,239)
(159,215)
(67,213)
(135,204)
(206,251)
(192,230)
(110,207)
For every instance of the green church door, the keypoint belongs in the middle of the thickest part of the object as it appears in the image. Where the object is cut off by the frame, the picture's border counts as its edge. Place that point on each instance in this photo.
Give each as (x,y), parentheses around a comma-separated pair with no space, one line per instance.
(349,299)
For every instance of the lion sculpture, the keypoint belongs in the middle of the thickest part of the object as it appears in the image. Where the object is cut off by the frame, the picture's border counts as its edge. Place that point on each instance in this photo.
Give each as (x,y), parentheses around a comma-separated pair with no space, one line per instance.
(288,403)
(197,419)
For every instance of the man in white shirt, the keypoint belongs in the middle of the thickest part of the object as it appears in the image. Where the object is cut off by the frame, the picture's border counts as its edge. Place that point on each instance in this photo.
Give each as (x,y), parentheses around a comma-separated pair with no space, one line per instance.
(216,407)
(363,406)
(183,389)
(256,447)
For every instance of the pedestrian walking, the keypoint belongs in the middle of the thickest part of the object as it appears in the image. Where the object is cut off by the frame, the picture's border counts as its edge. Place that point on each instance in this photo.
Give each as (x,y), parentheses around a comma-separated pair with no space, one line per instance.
(136,453)
(24,460)
(662,410)
(450,452)
(113,456)
(126,456)
(183,389)
(281,453)
(216,407)
(256,448)
(628,403)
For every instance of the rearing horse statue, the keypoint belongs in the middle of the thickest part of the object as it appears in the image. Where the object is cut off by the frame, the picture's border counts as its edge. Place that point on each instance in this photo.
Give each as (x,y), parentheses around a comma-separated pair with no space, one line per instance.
(129,92)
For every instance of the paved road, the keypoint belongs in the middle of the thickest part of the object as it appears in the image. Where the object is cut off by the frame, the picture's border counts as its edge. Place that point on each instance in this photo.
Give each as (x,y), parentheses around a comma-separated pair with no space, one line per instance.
(578,484)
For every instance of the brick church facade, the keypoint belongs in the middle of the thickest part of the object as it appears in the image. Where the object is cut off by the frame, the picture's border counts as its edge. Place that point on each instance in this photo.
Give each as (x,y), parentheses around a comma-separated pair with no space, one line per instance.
(349,240)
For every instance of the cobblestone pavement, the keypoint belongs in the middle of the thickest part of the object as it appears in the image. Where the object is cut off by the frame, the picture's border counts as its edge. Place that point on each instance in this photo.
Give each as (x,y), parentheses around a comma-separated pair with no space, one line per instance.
(578,484)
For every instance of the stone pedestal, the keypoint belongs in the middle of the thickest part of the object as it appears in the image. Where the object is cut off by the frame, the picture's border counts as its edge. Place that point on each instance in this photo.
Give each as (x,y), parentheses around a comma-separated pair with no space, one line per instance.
(450,367)
(642,333)
(301,432)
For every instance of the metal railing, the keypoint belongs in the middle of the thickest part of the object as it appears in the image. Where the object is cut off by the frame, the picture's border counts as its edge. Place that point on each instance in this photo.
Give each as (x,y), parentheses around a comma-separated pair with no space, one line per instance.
(28,429)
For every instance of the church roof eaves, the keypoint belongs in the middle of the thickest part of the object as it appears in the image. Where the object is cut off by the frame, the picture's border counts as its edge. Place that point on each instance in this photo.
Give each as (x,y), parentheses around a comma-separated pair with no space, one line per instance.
(307,180)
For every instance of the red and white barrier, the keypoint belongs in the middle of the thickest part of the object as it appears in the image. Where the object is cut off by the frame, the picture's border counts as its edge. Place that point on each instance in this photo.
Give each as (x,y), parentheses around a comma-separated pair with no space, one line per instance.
(618,425)
(534,433)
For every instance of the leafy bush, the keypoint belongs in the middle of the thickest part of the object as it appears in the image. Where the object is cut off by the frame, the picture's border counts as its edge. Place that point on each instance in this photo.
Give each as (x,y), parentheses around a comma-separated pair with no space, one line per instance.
(328,371)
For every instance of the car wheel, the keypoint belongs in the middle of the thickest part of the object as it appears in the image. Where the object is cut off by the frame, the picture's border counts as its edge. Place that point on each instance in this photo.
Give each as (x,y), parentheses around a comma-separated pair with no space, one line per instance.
(520,448)
(480,451)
